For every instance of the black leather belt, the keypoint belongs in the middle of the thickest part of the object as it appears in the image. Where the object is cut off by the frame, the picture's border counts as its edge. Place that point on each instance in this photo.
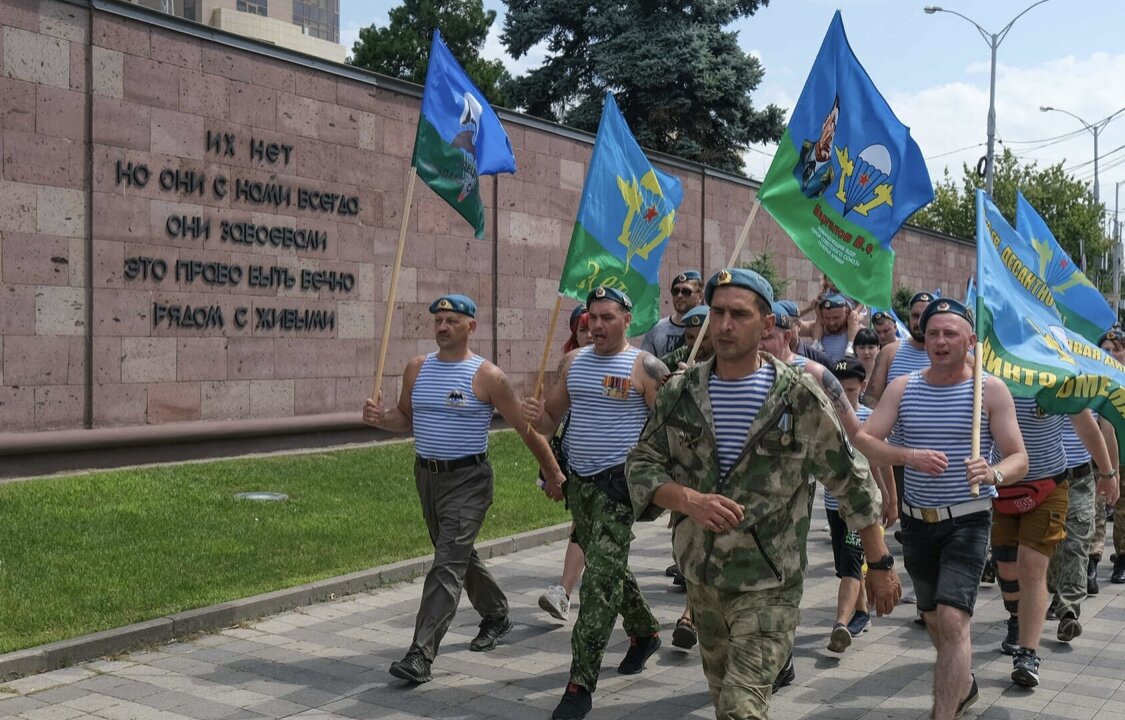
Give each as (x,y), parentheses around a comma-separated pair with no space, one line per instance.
(611,473)
(1078,471)
(436,466)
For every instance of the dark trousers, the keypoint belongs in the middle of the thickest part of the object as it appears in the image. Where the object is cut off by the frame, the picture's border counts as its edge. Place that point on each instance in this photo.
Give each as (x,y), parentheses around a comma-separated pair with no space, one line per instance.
(454,504)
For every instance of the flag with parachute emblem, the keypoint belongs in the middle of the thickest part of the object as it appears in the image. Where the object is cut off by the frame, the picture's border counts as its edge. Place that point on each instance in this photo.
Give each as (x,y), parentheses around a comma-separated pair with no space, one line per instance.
(1023,338)
(846,175)
(625,217)
(459,137)
(1082,307)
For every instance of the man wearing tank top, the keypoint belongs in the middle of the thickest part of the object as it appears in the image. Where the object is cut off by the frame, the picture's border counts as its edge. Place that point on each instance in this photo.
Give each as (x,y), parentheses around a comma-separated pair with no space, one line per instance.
(945,526)
(1028,525)
(608,388)
(447,400)
(728,449)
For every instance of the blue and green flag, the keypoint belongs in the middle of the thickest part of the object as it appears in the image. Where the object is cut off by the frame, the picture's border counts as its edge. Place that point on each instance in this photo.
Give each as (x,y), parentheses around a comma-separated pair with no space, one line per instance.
(846,175)
(1082,307)
(1025,342)
(459,137)
(625,217)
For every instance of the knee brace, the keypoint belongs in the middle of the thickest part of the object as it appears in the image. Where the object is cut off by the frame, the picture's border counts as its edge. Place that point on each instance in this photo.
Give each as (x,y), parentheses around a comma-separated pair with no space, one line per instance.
(1012,606)
(1008,586)
(1005,553)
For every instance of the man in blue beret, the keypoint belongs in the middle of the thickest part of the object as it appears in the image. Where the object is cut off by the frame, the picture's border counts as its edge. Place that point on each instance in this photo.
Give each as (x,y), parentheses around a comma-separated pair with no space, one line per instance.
(668,333)
(607,387)
(788,309)
(693,320)
(447,400)
(835,327)
(945,525)
(728,449)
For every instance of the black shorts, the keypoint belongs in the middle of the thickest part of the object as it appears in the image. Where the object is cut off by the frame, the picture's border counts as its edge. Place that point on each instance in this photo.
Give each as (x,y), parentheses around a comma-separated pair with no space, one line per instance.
(847,551)
(945,559)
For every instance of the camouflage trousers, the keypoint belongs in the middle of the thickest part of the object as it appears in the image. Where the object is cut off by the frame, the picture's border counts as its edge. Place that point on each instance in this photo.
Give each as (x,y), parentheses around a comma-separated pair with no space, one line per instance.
(1098,542)
(1066,574)
(603,528)
(744,640)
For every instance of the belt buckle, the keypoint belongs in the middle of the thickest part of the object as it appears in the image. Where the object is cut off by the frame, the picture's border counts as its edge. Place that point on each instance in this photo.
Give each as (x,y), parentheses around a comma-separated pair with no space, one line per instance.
(432,466)
(930,515)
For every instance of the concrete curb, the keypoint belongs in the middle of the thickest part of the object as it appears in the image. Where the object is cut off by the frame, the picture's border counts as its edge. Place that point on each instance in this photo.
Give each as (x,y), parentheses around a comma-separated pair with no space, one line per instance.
(63,653)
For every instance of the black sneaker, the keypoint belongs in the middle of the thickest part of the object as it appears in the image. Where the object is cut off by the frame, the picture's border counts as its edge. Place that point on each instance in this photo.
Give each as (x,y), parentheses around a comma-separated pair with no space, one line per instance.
(575,703)
(1025,668)
(1053,608)
(640,650)
(1118,576)
(1069,627)
(1092,576)
(1011,642)
(679,581)
(490,632)
(671,570)
(786,677)
(413,668)
(974,693)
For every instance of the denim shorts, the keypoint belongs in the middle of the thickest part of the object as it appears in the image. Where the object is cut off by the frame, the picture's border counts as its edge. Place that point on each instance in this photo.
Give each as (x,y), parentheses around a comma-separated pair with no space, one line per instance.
(945,559)
(847,552)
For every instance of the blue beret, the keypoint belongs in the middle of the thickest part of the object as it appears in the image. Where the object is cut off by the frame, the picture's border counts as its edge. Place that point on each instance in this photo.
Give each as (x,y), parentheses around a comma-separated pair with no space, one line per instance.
(880,316)
(574,315)
(941,306)
(1113,334)
(784,320)
(921,297)
(739,277)
(607,293)
(454,303)
(789,307)
(695,316)
(835,300)
(849,366)
(685,276)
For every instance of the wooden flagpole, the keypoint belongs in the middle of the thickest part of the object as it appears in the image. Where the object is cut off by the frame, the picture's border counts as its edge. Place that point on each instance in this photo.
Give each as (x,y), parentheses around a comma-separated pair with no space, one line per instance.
(733,256)
(978,396)
(547,347)
(392,292)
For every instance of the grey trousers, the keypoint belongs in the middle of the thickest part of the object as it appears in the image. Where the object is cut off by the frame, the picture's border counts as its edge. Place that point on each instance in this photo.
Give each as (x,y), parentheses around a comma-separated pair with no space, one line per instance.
(1066,575)
(454,504)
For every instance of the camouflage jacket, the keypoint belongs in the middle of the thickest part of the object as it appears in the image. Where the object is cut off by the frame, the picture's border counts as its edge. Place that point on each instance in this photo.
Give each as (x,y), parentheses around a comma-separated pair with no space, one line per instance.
(795,435)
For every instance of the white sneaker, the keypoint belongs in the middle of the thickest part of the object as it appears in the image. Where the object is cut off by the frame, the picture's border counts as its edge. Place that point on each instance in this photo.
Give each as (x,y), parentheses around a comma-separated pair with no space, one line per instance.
(555,602)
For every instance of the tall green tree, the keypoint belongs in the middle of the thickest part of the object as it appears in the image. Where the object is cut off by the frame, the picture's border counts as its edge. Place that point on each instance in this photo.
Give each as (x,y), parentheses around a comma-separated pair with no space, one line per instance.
(680,79)
(1066,204)
(402,48)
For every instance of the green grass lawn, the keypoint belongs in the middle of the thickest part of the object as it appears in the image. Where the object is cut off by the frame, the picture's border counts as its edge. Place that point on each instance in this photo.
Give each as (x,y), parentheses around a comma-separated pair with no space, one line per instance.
(88,552)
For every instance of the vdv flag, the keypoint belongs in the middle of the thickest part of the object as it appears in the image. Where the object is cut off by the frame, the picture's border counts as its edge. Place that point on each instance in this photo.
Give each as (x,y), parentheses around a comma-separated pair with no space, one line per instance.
(1024,340)
(625,217)
(846,175)
(1082,307)
(459,137)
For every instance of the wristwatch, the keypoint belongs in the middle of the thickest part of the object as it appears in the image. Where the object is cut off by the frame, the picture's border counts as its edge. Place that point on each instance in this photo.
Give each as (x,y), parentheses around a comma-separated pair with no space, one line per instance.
(1111,474)
(997,477)
(884,563)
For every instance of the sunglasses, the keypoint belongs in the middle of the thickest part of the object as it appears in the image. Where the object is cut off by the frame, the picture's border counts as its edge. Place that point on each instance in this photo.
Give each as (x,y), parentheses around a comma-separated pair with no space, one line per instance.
(683,291)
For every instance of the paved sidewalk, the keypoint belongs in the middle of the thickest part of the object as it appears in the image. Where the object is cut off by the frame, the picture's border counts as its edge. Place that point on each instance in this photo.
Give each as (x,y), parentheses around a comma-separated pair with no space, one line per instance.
(330,660)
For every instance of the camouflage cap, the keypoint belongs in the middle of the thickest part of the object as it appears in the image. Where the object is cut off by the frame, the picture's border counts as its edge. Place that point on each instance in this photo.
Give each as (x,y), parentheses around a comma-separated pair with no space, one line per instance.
(849,366)
(454,303)
(695,316)
(739,277)
(607,293)
(943,306)
(686,276)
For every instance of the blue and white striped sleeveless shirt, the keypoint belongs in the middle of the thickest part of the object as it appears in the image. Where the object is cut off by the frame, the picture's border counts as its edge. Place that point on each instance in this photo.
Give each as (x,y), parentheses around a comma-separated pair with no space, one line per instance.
(907,360)
(831,503)
(1076,452)
(835,346)
(1042,436)
(450,421)
(607,413)
(734,406)
(941,418)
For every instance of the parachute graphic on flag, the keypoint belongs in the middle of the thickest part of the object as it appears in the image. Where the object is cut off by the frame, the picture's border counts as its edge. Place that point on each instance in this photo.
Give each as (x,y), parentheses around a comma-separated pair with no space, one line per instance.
(866,181)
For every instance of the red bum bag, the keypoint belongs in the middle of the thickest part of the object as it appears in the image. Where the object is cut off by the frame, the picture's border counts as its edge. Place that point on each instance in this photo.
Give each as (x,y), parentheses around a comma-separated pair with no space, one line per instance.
(1023,497)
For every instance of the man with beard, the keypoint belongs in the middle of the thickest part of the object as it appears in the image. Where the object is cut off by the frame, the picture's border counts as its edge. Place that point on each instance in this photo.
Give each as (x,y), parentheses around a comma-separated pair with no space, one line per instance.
(667,334)
(837,329)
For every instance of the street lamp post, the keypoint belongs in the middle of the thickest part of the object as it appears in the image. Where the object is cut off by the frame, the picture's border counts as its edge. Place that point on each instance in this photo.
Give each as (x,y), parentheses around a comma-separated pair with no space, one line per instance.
(993,40)
(1094,129)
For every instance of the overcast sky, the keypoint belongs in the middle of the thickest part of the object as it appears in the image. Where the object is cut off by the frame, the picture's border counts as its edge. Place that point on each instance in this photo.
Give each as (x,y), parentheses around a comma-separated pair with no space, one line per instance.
(934,72)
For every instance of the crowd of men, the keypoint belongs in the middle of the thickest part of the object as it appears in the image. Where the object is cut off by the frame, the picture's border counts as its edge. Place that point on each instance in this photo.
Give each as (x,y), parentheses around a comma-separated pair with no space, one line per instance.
(732,439)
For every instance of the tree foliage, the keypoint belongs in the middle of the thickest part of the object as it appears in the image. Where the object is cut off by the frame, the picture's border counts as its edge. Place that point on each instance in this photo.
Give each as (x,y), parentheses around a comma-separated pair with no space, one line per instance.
(402,48)
(681,81)
(1066,204)
(765,265)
